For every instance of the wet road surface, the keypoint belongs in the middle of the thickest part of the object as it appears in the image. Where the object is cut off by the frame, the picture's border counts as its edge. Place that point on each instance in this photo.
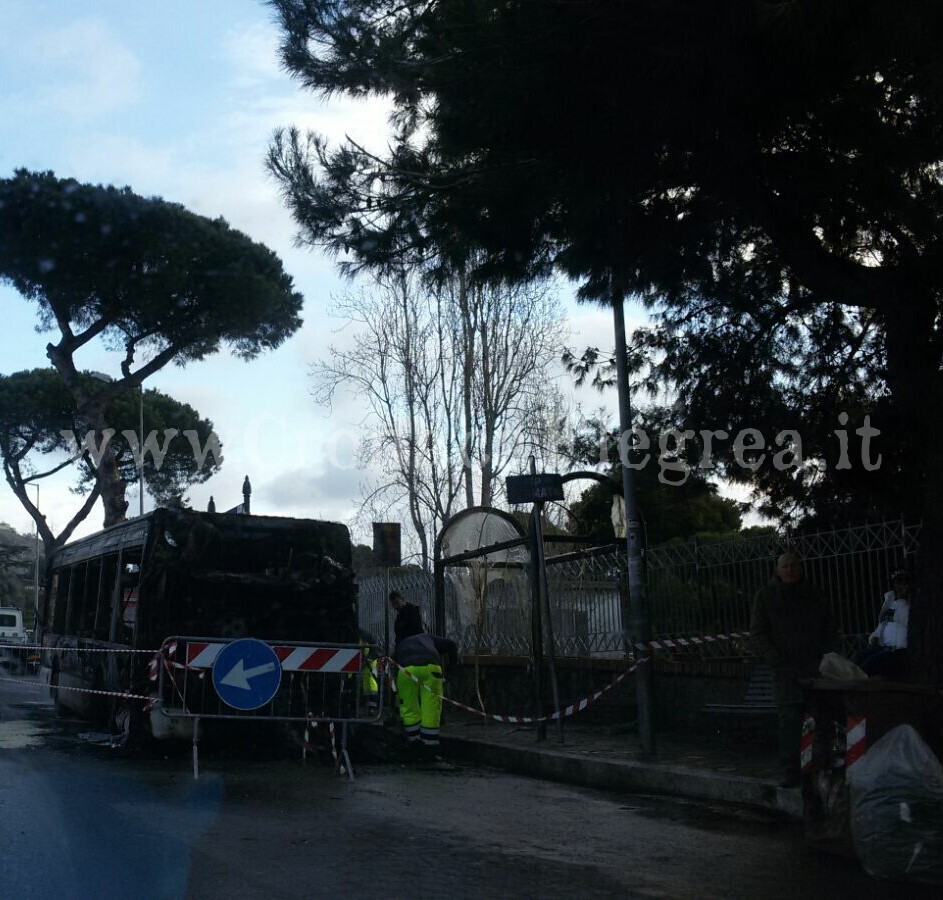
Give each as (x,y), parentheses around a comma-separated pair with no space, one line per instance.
(78,819)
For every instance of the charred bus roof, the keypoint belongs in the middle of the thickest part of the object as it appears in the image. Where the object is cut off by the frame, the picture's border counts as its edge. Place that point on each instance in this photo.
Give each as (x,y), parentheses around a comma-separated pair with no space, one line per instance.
(200,535)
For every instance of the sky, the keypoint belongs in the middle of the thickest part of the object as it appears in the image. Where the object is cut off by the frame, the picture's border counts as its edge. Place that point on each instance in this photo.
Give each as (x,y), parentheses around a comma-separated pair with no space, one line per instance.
(179,99)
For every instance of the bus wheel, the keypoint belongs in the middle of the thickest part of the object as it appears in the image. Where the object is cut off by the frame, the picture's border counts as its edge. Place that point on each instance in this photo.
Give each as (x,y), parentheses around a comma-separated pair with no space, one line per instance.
(121,721)
(127,723)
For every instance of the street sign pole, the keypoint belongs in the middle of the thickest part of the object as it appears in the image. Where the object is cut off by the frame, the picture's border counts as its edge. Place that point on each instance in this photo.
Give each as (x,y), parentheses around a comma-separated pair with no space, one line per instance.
(543,601)
(537,631)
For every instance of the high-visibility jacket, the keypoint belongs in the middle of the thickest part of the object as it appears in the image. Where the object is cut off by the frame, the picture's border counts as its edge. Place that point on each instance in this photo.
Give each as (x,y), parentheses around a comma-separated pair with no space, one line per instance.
(369,685)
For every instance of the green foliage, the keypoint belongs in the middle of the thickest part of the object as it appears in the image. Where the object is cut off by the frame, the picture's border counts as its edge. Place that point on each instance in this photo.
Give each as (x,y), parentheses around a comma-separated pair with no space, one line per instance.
(764,176)
(151,279)
(179,469)
(144,273)
(692,131)
(363,564)
(17,561)
(36,413)
(34,409)
(672,504)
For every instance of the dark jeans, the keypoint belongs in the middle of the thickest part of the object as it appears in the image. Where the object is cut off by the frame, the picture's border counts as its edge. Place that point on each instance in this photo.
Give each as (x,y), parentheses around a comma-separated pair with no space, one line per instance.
(885,661)
(789,732)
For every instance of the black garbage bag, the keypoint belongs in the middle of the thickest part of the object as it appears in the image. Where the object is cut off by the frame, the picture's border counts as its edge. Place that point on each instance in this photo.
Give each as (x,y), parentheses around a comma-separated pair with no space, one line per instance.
(896,805)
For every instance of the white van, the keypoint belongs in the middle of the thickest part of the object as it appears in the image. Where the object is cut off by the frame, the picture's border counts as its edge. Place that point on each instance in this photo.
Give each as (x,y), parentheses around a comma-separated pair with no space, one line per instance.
(13,640)
(11,626)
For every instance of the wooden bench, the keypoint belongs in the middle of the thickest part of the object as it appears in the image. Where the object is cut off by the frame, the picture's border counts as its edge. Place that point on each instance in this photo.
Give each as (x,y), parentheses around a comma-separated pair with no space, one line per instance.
(756,711)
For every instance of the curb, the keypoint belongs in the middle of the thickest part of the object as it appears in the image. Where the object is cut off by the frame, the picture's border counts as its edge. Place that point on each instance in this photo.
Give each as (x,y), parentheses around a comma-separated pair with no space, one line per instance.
(631,775)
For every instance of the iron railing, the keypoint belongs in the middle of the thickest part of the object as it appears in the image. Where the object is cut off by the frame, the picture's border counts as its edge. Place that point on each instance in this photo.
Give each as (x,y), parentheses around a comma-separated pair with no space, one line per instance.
(376,616)
(697,588)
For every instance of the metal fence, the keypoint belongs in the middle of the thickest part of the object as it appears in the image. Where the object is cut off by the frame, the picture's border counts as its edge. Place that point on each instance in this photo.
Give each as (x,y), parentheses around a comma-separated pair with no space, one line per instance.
(375,614)
(694,589)
(587,593)
(701,588)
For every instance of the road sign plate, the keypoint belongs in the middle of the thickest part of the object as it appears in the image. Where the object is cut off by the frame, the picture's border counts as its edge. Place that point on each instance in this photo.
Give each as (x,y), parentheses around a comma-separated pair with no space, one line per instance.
(534,488)
(246,674)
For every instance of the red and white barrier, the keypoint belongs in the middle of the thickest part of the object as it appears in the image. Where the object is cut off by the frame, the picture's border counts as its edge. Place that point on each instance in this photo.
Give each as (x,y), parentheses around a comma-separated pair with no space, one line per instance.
(856,743)
(806,743)
(202,655)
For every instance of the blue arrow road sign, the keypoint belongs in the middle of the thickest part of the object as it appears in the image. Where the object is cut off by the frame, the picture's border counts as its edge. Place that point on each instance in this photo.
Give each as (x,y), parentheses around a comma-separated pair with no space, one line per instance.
(246,674)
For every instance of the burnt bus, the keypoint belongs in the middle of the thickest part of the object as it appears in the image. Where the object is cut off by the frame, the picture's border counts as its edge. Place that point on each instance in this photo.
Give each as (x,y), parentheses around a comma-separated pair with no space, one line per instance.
(135,616)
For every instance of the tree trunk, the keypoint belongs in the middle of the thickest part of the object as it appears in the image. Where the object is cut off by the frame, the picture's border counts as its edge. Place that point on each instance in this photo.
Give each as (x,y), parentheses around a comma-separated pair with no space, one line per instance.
(468,367)
(90,417)
(913,363)
(110,483)
(113,488)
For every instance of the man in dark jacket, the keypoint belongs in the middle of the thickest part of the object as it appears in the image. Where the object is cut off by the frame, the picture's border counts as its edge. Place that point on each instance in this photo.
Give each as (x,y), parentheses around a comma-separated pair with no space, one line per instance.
(419,683)
(792,628)
(408,618)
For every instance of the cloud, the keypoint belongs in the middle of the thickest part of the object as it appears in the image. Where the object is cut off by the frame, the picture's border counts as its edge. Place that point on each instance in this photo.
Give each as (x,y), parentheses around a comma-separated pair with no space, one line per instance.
(252,51)
(332,488)
(262,91)
(592,326)
(81,71)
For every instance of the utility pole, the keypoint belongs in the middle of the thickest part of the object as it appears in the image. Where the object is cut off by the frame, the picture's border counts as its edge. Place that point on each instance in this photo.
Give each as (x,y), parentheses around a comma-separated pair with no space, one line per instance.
(36,573)
(639,625)
(141,465)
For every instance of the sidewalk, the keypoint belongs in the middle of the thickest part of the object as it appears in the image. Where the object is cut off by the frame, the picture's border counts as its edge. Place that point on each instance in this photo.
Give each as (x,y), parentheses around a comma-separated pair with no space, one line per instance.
(696,767)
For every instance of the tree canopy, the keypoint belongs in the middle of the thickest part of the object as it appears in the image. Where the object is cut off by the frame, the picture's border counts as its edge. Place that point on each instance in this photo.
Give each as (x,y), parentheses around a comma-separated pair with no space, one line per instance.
(457,382)
(17,559)
(675,502)
(757,173)
(40,435)
(150,279)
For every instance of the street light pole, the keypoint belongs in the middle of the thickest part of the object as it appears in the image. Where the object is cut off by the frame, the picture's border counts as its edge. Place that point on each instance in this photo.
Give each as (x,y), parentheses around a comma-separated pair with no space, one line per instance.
(141,464)
(639,625)
(36,570)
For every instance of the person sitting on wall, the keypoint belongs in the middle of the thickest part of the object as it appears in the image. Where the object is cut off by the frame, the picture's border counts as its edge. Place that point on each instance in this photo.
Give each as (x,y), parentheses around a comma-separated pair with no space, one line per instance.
(886,654)
(792,628)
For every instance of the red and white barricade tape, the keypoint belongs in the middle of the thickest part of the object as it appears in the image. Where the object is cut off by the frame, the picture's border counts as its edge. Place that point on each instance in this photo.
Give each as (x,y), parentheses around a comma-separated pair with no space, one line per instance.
(579,706)
(64,648)
(570,710)
(697,640)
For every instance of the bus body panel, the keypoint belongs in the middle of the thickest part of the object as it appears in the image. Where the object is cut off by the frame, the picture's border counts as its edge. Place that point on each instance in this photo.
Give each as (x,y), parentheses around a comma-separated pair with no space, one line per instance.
(112,599)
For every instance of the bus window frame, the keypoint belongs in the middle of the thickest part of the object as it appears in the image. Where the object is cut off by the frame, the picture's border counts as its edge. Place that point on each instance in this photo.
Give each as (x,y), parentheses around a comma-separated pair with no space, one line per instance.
(116,630)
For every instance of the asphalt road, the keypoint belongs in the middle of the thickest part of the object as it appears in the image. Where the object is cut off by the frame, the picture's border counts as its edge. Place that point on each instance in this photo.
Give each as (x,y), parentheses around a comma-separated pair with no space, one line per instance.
(79,820)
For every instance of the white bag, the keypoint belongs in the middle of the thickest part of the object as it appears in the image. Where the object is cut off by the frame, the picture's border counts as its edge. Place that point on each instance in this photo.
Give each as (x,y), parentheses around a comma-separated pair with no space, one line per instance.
(834,665)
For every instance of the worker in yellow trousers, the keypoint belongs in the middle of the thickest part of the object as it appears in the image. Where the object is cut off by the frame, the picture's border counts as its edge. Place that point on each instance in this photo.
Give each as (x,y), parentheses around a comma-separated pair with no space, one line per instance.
(419,685)
(369,685)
